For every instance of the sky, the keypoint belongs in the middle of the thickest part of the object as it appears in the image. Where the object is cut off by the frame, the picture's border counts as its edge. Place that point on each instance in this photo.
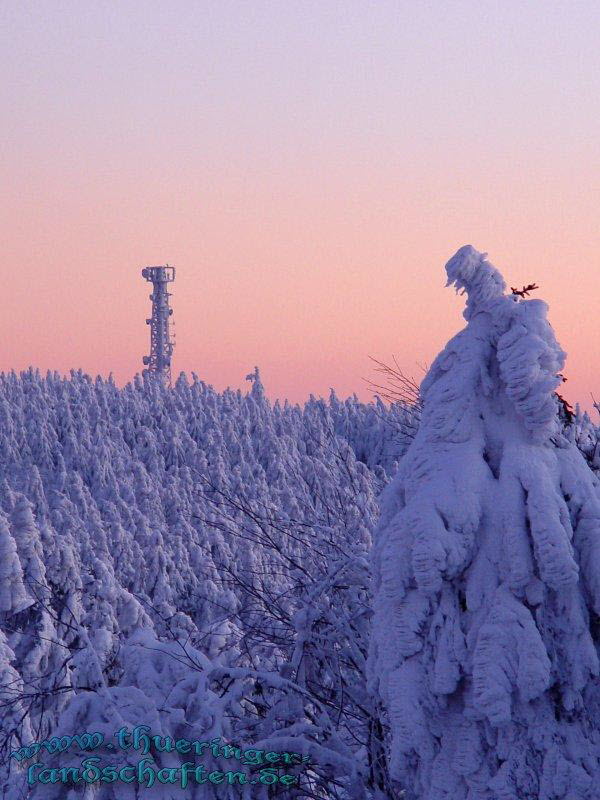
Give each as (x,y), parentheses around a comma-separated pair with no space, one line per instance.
(307,167)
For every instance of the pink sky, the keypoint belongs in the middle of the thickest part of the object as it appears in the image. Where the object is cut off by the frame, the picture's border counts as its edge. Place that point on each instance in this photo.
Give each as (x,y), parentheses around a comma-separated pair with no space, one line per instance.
(307,168)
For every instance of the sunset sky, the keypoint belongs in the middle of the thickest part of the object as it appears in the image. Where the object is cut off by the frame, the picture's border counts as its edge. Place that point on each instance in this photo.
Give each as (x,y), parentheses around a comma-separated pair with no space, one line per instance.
(307,167)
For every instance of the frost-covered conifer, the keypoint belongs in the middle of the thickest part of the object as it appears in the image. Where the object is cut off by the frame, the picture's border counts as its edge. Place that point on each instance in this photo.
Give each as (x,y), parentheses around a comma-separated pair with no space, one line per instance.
(29,546)
(13,593)
(487,570)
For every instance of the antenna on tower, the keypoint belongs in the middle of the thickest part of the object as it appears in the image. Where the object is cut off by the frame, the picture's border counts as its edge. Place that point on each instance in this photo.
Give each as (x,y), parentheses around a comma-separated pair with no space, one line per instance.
(158,363)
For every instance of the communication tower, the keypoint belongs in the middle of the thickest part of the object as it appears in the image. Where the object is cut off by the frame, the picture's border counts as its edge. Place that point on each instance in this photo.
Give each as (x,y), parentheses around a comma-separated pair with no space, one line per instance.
(158,363)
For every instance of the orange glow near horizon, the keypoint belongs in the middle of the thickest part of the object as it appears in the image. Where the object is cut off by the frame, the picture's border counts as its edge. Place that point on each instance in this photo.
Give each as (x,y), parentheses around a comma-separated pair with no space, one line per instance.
(308,187)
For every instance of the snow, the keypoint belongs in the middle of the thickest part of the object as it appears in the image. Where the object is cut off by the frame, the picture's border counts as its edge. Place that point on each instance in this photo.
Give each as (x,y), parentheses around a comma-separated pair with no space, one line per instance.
(213,565)
(190,560)
(485,569)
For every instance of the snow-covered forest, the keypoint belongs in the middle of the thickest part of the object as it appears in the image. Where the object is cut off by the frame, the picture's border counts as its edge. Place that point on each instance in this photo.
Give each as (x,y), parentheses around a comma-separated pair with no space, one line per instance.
(193,561)
(201,563)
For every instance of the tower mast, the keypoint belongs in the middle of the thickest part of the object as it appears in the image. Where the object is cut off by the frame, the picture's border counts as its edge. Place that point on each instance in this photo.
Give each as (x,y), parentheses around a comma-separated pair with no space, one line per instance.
(158,363)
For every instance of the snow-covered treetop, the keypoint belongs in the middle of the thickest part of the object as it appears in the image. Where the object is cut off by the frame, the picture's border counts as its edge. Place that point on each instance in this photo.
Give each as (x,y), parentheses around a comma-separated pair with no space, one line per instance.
(470,271)
(525,354)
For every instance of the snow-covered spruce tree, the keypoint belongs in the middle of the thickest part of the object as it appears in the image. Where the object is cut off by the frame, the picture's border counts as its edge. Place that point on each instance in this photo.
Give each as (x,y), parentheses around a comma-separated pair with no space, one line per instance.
(586,436)
(487,570)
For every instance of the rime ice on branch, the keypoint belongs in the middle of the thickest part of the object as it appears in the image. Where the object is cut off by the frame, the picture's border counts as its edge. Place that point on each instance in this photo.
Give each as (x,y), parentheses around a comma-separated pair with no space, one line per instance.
(487,570)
